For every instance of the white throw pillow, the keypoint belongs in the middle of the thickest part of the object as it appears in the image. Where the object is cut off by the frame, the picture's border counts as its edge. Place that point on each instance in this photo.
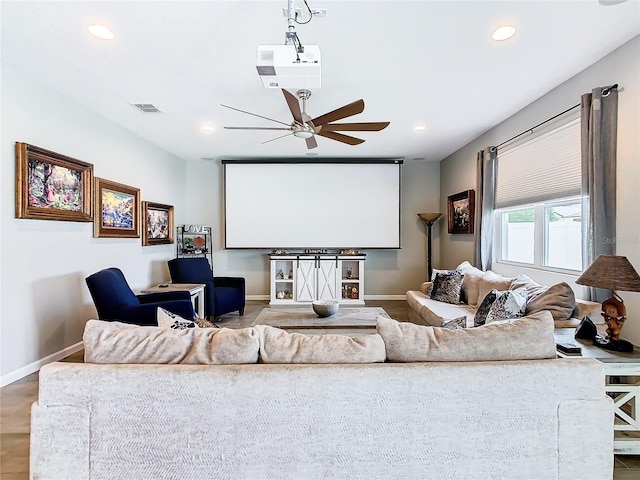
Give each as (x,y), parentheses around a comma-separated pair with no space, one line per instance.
(167,319)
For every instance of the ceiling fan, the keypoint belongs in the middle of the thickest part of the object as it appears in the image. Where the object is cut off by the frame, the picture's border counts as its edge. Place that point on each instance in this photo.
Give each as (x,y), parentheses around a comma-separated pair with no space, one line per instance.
(303,126)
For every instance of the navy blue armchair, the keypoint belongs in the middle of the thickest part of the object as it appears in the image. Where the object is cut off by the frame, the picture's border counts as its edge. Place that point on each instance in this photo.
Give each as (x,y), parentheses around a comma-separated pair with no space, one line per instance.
(222,294)
(114,300)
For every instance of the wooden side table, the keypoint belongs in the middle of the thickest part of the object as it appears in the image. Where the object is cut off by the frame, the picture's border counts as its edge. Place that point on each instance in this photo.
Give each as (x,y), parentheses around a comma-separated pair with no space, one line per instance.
(622,384)
(196,290)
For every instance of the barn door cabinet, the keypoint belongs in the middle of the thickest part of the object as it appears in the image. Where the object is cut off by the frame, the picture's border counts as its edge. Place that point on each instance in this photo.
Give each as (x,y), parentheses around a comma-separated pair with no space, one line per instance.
(298,279)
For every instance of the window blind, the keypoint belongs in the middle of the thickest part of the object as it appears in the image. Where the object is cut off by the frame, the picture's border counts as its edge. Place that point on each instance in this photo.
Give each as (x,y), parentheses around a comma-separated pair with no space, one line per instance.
(543,168)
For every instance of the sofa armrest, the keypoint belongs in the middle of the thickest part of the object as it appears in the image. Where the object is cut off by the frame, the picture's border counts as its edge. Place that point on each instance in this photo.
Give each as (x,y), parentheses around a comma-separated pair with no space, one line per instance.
(426,287)
(589,309)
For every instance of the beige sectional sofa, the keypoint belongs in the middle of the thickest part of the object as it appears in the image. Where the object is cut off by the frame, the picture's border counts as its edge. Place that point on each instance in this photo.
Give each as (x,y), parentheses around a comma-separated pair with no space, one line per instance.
(558,299)
(262,403)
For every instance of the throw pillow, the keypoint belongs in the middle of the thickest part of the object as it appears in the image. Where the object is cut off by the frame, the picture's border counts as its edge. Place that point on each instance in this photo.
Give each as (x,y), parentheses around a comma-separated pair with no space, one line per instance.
(447,287)
(559,299)
(167,319)
(491,280)
(480,318)
(534,289)
(526,338)
(455,324)
(471,282)
(508,304)
(501,305)
(280,346)
(116,342)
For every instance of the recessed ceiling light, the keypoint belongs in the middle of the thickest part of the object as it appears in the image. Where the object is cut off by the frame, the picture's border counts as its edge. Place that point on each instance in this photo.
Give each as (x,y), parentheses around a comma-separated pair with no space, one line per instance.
(419,127)
(503,33)
(207,127)
(100,31)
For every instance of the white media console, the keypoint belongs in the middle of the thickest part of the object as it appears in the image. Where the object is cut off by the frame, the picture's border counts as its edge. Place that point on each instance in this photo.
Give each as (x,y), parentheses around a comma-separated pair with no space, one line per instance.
(305,277)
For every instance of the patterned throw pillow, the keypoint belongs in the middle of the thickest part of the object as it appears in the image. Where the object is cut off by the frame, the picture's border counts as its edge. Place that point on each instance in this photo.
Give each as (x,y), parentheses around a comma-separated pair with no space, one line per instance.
(501,305)
(167,319)
(455,324)
(447,287)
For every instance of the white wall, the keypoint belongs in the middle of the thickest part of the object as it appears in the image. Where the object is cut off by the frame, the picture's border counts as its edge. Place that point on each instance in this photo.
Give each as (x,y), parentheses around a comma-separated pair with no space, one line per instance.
(388,272)
(621,66)
(43,296)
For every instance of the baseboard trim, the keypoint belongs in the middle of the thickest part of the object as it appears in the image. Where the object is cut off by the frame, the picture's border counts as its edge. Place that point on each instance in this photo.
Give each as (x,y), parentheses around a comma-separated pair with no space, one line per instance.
(257,297)
(37,365)
(385,297)
(366,297)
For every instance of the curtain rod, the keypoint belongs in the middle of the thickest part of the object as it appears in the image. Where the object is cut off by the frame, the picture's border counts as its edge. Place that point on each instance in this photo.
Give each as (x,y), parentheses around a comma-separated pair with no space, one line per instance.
(605,92)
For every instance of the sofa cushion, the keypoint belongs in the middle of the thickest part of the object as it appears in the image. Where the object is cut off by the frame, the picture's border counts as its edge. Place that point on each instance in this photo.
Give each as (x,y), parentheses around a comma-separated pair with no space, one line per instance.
(115,342)
(558,299)
(434,312)
(524,338)
(280,346)
(501,305)
(447,287)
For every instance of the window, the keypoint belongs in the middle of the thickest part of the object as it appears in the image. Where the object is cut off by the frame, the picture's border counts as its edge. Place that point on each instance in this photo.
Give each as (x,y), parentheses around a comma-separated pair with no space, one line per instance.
(545,235)
(538,207)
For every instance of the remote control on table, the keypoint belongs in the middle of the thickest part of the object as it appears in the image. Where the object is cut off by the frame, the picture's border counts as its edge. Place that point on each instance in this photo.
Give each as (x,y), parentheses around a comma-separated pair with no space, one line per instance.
(568,347)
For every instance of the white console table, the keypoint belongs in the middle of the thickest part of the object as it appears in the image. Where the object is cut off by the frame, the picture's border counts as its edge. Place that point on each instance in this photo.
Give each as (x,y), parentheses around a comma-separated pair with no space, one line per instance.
(302,278)
(621,383)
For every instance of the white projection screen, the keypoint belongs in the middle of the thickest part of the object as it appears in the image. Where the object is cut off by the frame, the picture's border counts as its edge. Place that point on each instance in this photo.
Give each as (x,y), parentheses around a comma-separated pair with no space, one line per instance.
(291,204)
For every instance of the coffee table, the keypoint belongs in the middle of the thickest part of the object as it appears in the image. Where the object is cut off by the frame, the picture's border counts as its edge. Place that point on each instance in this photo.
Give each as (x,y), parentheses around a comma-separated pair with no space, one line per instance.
(347,321)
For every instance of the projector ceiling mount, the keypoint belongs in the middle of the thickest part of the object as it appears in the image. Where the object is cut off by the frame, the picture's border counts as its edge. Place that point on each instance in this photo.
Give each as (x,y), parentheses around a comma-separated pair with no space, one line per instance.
(303,126)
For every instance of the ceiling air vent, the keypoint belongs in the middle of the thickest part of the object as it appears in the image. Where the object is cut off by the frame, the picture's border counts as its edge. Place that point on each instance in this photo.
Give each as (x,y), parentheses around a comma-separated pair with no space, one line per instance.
(147,107)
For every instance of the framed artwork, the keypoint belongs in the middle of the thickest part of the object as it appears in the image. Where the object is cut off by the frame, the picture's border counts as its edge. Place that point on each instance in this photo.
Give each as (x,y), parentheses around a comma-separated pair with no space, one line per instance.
(460,211)
(117,210)
(157,227)
(51,186)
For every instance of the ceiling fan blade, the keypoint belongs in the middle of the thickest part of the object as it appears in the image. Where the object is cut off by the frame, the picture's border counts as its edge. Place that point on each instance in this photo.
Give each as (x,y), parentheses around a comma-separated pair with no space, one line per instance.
(340,137)
(355,127)
(339,113)
(254,114)
(311,142)
(294,106)
(282,136)
(257,128)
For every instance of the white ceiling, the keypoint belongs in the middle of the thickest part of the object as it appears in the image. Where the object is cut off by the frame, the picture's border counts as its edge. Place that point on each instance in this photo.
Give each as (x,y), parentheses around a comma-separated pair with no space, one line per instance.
(430,62)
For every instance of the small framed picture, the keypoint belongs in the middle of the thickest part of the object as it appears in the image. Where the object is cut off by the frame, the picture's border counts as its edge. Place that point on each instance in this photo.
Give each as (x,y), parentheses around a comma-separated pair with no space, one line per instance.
(157,221)
(52,186)
(460,211)
(117,210)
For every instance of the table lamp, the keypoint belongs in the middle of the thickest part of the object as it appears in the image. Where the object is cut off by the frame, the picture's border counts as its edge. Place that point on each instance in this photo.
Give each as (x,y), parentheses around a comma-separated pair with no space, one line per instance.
(429,219)
(612,272)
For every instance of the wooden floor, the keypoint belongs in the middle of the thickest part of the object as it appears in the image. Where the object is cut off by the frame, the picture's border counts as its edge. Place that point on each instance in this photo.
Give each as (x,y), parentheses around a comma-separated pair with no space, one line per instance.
(16,400)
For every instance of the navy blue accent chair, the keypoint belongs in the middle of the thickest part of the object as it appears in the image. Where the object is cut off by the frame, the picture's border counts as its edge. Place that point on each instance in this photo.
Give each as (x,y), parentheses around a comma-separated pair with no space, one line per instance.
(222,294)
(115,301)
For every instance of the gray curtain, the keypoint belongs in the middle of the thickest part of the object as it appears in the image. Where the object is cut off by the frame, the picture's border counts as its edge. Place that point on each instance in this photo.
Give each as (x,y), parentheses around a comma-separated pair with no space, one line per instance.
(599,110)
(485,205)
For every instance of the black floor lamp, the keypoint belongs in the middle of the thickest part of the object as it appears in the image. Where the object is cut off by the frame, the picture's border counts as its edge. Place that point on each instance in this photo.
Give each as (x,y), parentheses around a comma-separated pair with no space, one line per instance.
(429,219)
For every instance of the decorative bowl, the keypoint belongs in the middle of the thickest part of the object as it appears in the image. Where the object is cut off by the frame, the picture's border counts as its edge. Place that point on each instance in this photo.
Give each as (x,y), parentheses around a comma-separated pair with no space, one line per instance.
(325,308)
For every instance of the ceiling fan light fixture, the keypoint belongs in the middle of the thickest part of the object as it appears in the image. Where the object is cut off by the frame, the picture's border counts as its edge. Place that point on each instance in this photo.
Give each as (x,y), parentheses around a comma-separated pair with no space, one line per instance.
(303,134)
(207,128)
(419,127)
(503,33)
(100,31)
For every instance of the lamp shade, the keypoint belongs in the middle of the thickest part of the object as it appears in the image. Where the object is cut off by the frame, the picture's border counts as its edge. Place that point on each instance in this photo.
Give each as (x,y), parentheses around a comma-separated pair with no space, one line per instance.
(611,272)
(430,218)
